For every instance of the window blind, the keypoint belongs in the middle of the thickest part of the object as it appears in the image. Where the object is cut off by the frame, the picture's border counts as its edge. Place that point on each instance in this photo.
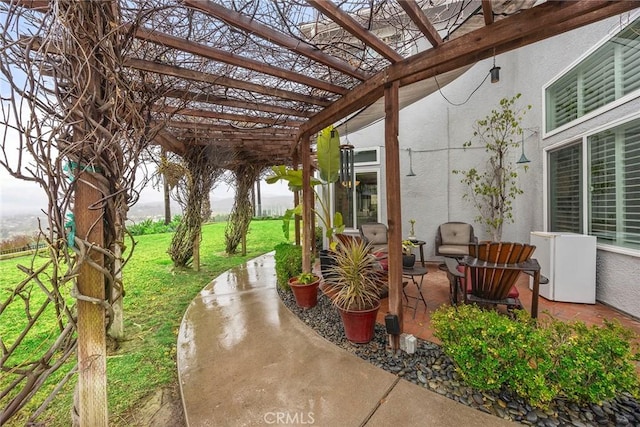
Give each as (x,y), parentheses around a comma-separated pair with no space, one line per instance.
(604,76)
(631,182)
(603,186)
(565,194)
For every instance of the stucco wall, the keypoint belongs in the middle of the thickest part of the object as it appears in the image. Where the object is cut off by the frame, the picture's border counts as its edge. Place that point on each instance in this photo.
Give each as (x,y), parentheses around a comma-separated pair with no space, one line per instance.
(435,130)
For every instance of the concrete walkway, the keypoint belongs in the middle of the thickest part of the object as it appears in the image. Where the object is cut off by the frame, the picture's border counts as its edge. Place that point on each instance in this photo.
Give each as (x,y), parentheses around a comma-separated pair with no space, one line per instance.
(244,359)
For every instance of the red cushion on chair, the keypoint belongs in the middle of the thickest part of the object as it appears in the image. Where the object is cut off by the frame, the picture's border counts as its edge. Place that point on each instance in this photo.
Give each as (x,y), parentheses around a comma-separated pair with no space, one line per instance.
(513,292)
(383,259)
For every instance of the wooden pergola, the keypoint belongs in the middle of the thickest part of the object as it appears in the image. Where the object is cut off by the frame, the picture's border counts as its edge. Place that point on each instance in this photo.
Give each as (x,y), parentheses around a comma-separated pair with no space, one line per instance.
(262,77)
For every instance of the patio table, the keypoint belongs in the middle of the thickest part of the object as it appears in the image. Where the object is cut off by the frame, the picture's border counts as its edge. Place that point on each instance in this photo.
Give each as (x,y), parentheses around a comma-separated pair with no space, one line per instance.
(414,274)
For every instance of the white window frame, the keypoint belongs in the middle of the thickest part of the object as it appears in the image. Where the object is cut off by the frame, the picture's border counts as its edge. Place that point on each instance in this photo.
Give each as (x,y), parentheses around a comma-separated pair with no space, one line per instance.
(375,162)
(630,17)
(586,217)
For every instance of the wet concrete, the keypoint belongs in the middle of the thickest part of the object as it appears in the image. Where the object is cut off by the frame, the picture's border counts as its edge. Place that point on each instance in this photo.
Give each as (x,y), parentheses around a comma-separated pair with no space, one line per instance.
(244,359)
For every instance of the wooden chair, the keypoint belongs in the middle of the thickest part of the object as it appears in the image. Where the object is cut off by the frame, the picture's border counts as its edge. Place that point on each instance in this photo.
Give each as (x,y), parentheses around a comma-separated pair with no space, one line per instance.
(488,275)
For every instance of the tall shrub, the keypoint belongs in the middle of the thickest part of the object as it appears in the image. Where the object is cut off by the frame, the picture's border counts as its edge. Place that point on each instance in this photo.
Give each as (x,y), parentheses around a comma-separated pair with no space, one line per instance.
(288,259)
(493,189)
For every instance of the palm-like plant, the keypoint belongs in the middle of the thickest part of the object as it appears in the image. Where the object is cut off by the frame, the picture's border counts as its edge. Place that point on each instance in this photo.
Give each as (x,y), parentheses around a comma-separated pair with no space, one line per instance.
(355,276)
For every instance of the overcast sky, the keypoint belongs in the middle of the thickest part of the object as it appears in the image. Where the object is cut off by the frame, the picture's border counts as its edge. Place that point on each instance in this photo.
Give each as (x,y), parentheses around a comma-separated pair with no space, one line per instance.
(18,197)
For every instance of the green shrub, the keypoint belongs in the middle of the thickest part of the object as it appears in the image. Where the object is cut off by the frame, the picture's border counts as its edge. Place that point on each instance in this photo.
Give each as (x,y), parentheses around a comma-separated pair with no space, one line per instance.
(288,259)
(148,226)
(538,361)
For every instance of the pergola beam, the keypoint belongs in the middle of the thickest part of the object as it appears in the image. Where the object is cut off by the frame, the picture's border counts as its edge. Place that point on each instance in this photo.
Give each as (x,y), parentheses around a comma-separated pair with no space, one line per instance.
(187,95)
(419,18)
(228,116)
(487,12)
(346,21)
(226,137)
(251,26)
(199,76)
(226,128)
(233,59)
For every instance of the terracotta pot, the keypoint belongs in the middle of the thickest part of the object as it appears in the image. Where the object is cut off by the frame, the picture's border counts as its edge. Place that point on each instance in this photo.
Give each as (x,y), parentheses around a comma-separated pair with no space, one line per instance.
(359,326)
(329,290)
(306,295)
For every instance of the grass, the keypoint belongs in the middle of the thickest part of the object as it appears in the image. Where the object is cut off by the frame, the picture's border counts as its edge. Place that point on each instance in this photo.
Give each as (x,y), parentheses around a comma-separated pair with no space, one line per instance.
(157,296)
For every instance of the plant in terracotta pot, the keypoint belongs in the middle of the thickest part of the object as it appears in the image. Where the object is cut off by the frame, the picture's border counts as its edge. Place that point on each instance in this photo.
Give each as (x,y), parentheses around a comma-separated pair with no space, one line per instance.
(356,285)
(305,289)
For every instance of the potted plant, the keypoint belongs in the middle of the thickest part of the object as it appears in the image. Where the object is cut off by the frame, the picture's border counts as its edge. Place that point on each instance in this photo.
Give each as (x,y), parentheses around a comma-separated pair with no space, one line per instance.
(356,284)
(328,165)
(305,289)
(412,233)
(408,257)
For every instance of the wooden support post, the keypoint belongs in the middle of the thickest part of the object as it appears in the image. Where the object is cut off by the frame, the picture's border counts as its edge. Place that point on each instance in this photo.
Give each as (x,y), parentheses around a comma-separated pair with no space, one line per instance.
(92,349)
(394,213)
(307,204)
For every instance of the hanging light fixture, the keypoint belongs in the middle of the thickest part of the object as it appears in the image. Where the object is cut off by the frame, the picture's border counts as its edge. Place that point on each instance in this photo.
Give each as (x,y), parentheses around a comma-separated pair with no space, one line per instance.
(494,71)
(410,164)
(523,158)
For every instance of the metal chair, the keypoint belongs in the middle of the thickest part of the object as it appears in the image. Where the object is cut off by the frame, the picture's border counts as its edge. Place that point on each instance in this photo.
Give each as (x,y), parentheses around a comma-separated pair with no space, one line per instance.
(375,234)
(453,239)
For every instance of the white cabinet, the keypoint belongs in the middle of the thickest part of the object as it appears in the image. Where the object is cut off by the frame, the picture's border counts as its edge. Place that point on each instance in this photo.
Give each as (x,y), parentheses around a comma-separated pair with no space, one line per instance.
(568,260)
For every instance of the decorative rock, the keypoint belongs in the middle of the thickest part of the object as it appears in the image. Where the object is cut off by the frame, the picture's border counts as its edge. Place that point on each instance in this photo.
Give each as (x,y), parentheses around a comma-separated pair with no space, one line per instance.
(532,417)
(621,420)
(422,378)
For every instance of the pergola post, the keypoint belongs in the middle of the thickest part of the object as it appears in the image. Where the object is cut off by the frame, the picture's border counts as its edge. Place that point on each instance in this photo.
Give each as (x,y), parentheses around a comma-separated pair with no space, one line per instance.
(307,204)
(391,145)
(92,347)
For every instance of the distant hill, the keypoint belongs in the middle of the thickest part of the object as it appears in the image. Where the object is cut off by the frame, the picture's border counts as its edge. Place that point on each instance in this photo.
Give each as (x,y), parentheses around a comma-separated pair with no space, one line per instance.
(25,221)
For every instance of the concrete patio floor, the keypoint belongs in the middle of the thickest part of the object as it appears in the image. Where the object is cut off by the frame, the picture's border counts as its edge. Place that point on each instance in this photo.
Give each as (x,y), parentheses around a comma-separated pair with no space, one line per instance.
(244,359)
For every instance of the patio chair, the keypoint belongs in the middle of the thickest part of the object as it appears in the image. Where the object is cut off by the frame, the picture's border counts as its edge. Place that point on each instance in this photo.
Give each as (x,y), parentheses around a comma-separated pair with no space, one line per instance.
(489,273)
(453,239)
(375,233)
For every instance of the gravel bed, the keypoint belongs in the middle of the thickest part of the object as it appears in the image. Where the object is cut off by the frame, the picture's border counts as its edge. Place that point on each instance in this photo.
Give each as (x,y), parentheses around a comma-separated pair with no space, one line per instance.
(429,367)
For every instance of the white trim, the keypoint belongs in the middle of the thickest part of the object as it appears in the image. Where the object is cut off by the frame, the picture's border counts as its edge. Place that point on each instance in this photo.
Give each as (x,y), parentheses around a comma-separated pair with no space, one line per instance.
(618,250)
(376,149)
(631,16)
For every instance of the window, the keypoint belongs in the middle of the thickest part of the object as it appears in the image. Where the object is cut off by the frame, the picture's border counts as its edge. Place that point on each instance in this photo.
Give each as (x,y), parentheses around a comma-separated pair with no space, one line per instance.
(606,75)
(612,194)
(364,204)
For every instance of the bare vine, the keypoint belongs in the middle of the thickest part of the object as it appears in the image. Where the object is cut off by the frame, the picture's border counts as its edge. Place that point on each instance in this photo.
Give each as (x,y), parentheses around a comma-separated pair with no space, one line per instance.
(194,177)
(71,118)
(244,176)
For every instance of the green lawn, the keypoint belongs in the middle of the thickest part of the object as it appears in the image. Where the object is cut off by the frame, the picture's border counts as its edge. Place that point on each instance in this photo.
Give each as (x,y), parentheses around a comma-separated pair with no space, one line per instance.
(157,296)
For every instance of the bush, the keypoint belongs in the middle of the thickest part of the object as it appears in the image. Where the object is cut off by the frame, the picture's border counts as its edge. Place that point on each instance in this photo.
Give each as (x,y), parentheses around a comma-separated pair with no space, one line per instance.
(148,226)
(538,361)
(22,242)
(288,259)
